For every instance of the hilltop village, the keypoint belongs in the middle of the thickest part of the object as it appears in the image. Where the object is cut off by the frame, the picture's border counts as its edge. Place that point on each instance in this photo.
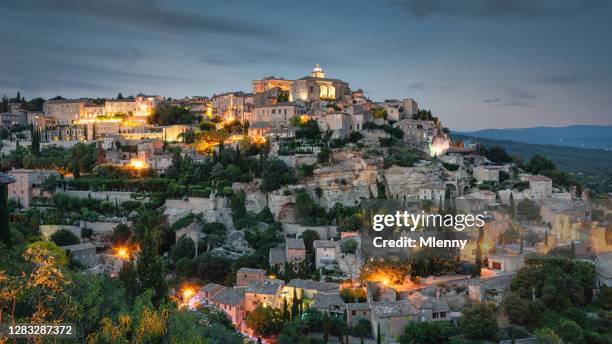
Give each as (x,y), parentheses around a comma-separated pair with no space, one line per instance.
(248,210)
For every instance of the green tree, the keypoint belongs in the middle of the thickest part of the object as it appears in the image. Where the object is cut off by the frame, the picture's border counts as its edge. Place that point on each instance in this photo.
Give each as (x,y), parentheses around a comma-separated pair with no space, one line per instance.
(539,164)
(215,234)
(304,206)
(362,329)
(349,246)
(570,332)
(428,333)
(169,115)
(604,298)
(5,231)
(276,174)
(35,142)
(64,237)
(295,306)
(265,321)
(150,268)
(286,313)
(546,336)
(121,234)
(518,310)
(479,322)
(184,248)
(309,236)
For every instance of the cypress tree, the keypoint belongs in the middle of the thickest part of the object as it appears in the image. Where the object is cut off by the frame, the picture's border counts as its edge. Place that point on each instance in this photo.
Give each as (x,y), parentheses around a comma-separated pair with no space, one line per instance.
(5,231)
(35,142)
(294,306)
(286,315)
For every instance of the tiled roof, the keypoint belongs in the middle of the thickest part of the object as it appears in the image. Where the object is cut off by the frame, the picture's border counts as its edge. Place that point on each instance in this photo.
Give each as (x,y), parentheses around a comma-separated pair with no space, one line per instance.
(267,287)
(323,244)
(313,285)
(295,244)
(277,255)
(211,287)
(325,301)
(6,179)
(230,296)
(388,309)
(358,306)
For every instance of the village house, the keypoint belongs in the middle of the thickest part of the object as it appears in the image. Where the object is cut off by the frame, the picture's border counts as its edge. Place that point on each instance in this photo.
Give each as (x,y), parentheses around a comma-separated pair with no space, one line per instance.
(434,192)
(307,289)
(83,253)
(566,218)
(295,249)
(29,185)
(294,252)
(331,304)
(267,293)
(244,276)
(505,262)
(356,311)
(231,301)
(325,253)
(208,291)
(540,187)
(487,173)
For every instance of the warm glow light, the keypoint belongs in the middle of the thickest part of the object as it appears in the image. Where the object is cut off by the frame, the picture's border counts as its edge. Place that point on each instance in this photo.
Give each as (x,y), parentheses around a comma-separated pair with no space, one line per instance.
(187,293)
(304,118)
(122,252)
(138,164)
(386,282)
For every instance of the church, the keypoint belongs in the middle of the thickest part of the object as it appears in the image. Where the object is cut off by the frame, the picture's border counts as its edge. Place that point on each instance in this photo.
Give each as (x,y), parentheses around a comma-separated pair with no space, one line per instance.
(317,87)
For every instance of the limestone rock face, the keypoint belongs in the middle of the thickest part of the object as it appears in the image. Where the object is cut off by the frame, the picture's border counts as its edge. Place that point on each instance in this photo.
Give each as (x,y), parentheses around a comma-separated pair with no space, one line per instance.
(405,181)
(256,200)
(346,181)
(282,207)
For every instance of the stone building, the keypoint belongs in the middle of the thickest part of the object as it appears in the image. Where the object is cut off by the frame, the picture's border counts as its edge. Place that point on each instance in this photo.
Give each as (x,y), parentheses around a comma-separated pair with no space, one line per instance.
(267,293)
(540,186)
(325,252)
(83,253)
(244,276)
(317,87)
(28,185)
(65,111)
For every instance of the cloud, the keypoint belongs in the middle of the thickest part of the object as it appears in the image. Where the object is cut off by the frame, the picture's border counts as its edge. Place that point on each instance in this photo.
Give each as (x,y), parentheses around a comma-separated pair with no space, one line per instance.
(417,85)
(514,103)
(513,97)
(498,8)
(440,83)
(569,79)
(521,94)
(141,13)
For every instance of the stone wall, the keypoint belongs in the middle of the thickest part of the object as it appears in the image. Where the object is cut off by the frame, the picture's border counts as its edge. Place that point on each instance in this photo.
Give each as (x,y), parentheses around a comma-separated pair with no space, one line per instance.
(325,232)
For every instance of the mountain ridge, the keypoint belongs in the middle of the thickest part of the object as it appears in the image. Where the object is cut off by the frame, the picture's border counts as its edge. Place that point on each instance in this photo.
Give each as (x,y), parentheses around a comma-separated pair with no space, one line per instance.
(578,136)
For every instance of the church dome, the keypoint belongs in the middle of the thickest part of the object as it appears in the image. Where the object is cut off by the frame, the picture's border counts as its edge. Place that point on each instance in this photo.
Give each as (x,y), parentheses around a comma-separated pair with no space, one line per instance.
(318,72)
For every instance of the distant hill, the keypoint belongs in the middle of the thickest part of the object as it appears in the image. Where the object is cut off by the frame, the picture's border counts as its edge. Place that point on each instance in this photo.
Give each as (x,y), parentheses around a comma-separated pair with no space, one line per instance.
(592,167)
(569,159)
(580,136)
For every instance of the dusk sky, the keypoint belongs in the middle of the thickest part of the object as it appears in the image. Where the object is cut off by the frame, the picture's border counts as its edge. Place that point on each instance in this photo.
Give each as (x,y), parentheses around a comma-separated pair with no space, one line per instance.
(475,63)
